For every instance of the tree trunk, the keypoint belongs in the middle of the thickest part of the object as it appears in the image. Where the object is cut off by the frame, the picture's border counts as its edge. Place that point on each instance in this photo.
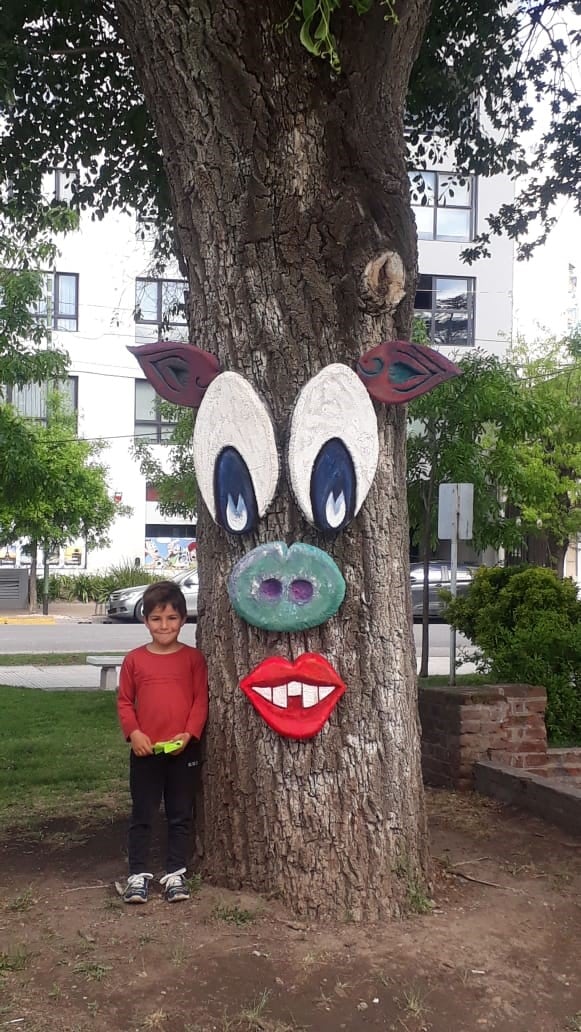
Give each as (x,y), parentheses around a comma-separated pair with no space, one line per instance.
(289,189)
(32,592)
(558,552)
(47,549)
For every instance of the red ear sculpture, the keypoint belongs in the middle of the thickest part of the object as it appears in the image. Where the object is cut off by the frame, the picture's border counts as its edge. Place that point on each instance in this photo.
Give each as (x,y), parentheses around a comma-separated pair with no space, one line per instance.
(180,373)
(396,371)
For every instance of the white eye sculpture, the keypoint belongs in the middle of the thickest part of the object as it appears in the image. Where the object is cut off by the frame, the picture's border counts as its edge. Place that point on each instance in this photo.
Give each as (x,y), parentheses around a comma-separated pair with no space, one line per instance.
(333,447)
(235,453)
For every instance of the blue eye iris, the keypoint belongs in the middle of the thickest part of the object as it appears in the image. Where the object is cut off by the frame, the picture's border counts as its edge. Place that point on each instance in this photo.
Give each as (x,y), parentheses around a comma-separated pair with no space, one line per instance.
(333,486)
(236,508)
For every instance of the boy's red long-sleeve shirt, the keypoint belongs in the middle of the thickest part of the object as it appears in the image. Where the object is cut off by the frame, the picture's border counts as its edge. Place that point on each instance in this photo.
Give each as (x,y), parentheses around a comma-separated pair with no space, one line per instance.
(163,694)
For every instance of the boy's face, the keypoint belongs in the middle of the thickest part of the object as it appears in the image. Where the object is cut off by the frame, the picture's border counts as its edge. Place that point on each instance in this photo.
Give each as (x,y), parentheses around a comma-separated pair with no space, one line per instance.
(164,623)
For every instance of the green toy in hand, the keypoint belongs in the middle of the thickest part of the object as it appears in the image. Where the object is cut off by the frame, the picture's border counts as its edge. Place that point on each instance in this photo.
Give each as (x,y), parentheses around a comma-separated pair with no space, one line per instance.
(167,747)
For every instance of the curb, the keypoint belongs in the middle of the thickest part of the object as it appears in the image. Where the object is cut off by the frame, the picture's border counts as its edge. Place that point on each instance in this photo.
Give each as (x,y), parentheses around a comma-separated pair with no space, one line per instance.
(34,620)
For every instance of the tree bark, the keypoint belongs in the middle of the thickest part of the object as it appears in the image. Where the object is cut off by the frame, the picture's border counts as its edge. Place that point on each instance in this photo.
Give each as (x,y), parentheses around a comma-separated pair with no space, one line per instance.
(289,190)
(558,552)
(47,549)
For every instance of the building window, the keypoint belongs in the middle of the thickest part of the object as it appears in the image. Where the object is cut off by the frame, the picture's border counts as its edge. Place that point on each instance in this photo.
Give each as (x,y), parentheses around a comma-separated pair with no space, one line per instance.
(443,204)
(170,530)
(59,304)
(31,399)
(149,422)
(64,184)
(446,304)
(160,310)
(66,301)
(145,227)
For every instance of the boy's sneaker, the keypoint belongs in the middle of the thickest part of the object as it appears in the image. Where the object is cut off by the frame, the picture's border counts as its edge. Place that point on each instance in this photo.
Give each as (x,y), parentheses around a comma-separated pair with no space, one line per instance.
(137,888)
(175,886)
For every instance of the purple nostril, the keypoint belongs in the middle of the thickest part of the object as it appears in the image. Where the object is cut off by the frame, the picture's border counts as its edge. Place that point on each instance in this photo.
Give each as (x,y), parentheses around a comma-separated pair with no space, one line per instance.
(271,589)
(301,590)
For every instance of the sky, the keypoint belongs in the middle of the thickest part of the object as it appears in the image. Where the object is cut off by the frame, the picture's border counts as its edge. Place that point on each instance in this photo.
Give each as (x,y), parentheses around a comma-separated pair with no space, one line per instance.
(543,294)
(542,286)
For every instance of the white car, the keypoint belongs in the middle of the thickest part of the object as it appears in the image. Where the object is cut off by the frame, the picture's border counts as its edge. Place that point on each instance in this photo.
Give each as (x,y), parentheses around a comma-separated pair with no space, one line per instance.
(127,603)
(439,576)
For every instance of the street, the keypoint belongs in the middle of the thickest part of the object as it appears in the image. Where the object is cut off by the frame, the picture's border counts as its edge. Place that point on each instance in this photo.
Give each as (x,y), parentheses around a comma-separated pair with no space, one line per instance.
(67,636)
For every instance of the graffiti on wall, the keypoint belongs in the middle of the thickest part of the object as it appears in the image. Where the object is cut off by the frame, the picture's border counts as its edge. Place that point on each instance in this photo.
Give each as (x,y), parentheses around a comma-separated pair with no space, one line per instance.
(167,553)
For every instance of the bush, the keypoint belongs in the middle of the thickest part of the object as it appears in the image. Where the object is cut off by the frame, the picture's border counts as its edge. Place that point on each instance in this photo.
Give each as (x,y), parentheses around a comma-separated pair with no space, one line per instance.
(526,625)
(96,587)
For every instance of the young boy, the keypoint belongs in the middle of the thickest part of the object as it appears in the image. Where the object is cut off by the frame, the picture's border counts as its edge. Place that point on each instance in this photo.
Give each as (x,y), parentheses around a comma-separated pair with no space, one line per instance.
(163,696)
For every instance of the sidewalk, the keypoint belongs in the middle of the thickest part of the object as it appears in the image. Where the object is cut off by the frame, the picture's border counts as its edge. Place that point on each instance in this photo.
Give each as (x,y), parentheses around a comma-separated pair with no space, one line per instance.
(58,612)
(51,678)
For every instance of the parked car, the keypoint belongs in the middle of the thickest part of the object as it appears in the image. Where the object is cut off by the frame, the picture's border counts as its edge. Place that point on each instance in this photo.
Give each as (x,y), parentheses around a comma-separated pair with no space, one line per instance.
(438,578)
(127,603)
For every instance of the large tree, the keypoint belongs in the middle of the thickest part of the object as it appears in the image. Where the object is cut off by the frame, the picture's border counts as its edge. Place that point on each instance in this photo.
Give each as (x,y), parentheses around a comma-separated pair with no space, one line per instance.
(287,181)
(290,205)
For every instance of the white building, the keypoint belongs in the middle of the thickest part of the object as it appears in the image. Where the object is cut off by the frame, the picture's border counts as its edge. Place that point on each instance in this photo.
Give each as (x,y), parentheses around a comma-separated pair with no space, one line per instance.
(463,305)
(104,298)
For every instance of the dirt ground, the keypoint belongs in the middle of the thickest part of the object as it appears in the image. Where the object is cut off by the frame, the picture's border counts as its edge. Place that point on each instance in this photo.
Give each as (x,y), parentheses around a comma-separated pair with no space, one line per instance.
(499,949)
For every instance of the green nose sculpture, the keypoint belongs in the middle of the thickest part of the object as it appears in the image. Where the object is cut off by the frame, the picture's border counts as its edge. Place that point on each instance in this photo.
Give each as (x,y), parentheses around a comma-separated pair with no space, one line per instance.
(286,589)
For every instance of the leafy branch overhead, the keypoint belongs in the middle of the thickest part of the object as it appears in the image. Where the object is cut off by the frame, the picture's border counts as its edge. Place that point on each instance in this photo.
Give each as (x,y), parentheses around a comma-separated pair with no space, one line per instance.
(26,247)
(315,17)
(174,479)
(481,70)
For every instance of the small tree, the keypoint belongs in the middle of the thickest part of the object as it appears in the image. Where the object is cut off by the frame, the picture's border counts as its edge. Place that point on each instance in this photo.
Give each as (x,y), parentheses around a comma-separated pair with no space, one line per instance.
(64,495)
(467,431)
(546,487)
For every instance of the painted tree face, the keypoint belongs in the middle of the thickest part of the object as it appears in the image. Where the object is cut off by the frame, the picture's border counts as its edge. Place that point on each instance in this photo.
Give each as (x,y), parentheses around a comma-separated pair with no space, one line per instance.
(331,460)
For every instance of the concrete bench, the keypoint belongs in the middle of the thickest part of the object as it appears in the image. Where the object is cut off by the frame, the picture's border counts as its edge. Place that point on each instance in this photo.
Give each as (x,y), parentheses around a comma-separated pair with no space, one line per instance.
(108,664)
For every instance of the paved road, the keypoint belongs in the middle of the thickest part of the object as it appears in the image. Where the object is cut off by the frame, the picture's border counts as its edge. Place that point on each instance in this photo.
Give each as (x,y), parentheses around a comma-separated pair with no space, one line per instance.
(76,637)
(68,636)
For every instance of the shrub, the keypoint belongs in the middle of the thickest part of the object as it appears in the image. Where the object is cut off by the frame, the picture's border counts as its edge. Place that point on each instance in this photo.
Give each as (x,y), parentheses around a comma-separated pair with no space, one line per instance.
(96,587)
(526,625)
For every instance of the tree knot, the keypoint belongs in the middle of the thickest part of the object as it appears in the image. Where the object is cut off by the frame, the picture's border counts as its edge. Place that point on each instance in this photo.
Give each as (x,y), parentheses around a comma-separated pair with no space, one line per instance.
(383,283)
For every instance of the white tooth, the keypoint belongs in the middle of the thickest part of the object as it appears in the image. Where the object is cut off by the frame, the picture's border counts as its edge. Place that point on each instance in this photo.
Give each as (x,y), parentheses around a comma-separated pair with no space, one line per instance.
(265,692)
(324,692)
(294,688)
(279,696)
(310,696)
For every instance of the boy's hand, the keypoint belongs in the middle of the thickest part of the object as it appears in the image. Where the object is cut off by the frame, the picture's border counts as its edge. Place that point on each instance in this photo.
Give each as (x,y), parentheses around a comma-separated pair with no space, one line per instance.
(140,743)
(184,738)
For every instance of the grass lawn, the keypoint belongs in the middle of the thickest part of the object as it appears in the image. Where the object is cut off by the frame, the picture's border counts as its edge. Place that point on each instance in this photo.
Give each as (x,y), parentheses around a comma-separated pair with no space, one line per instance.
(62,754)
(443,680)
(46,658)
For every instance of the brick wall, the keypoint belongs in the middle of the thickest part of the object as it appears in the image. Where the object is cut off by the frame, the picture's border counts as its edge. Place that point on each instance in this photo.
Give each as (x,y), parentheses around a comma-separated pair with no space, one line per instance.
(461,725)
(552,800)
(564,764)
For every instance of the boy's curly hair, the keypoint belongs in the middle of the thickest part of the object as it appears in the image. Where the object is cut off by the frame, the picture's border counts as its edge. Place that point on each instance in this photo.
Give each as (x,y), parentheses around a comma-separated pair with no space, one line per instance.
(164,593)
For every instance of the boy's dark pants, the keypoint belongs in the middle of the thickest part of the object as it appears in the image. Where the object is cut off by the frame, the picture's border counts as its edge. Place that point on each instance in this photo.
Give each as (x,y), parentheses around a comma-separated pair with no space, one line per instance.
(174,778)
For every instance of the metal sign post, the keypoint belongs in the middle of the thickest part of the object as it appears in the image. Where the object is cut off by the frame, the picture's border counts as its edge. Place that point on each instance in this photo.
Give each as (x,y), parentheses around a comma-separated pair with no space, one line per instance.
(455,508)
(453,589)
